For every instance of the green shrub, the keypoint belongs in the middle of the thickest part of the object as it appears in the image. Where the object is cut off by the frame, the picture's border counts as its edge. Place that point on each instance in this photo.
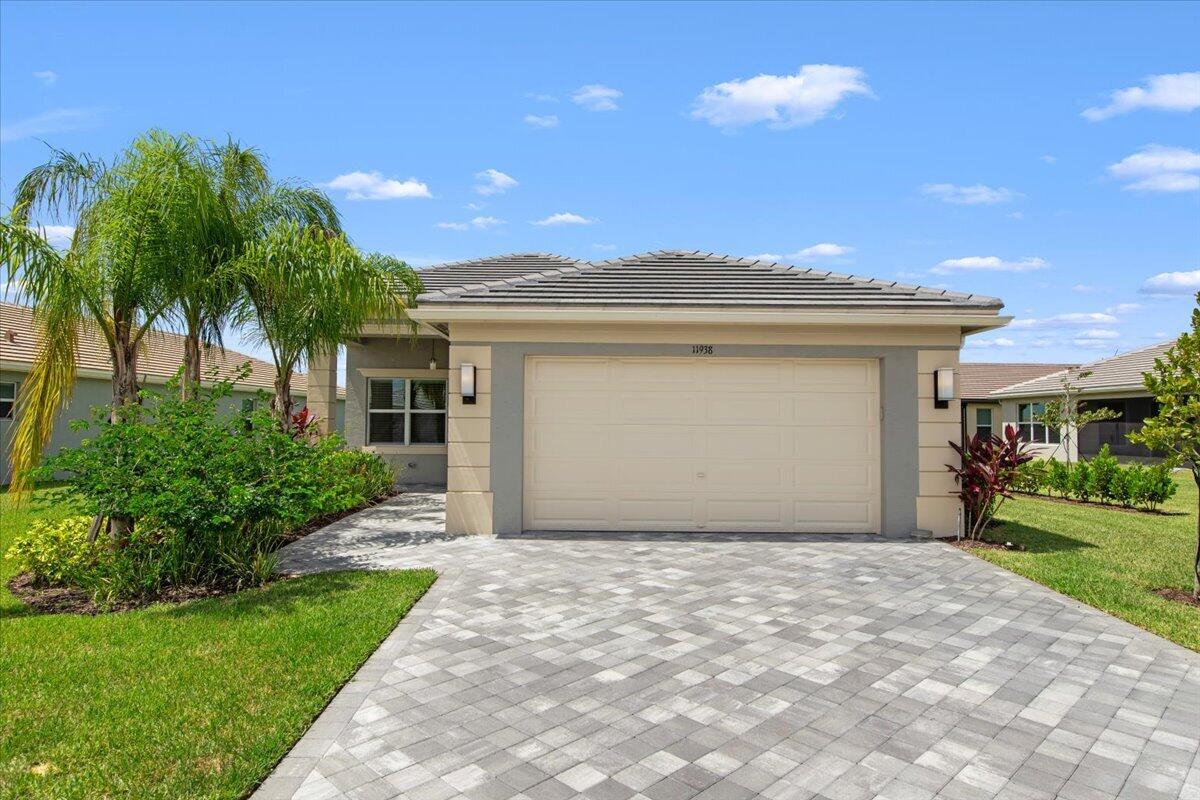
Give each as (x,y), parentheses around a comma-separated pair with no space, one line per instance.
(1058,478)
(1080,484)
(1032,476)
(1124,485)
(1103,467)
(1160,486)
(58,553)
(211,494)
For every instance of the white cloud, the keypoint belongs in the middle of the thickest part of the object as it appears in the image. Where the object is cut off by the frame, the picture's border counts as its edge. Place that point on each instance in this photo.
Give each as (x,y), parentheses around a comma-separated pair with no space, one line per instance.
(1016,215)
(1187,282)
(822,250)
(596,97)
(47,77)
(781,101)
(1063,320)
(1124,308)
(59,236)
(1179,91)
(474,206)
(766,257)
(1156,168)
(541,97)
(607,248)
(547,121)
(1049,159)
(1000,341)
(988,264)
(493,181)
(479,223)
(969,195)
(373,186)
(58,120)
(564,218)
(1083,287)
(1095,338)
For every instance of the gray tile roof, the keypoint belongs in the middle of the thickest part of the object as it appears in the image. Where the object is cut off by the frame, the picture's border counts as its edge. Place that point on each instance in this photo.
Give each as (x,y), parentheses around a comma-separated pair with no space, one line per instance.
(1119,373)
(978,380)
(677,279)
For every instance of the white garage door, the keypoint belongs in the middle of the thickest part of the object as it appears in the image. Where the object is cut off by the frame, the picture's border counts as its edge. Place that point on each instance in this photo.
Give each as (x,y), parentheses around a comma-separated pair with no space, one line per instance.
(703,444)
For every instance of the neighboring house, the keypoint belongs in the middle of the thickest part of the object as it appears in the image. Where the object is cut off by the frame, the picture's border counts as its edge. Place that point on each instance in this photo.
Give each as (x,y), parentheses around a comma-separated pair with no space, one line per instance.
(669,391)
(159,361)
(1114,383)
(981,413)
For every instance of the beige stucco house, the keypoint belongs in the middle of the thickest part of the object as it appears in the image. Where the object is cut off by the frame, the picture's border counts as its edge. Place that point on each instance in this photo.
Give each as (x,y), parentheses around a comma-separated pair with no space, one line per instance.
(159,361)
(988,414)
(670,391)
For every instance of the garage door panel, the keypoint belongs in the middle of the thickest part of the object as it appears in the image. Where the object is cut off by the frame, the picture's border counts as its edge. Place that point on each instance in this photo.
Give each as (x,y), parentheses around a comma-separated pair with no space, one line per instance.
(854,480)
(566,441)
(570,513)
(560,406)
(712,444)
(762,476)
(746,408)
(835,409)
(651,443)
(571,372)
(836,373)
(837,444)
(744,514)
(843,514)
(746,443)
(633,513)
(559,473)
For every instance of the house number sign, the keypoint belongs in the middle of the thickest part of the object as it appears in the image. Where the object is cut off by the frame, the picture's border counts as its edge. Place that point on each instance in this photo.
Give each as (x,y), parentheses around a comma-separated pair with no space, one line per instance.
(702,349)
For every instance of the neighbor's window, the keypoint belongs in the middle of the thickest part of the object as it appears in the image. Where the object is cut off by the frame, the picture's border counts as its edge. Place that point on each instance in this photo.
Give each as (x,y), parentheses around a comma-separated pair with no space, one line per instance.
(983,421)
(248,404)
(1029,429)
(406,411)
(8,399)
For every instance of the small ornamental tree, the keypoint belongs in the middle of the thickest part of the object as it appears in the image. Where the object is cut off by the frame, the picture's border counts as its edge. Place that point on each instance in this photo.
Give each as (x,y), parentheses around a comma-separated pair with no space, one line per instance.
(1065,414)
(987,475)
(1175,430)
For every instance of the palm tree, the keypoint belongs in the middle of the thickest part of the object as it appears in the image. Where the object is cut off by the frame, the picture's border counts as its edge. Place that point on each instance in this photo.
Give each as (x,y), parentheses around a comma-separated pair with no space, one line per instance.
(137,220)
(308,289)
(206,287)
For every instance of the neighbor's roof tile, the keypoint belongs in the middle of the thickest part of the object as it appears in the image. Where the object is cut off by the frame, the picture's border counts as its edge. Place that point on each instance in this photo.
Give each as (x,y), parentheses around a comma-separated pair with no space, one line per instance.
(977,381)
(1120,373)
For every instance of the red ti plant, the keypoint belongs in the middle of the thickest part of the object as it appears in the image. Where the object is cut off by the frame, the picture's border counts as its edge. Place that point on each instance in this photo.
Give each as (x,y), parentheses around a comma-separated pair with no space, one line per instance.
(987,474)
(304,423)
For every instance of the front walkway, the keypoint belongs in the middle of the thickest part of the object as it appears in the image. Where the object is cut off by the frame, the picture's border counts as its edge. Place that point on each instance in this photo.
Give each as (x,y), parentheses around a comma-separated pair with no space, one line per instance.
(627,667)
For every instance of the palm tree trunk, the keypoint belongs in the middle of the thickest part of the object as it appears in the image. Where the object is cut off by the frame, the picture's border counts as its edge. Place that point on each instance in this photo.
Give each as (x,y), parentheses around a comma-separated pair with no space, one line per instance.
(281,403)
(125,393)
(190,386)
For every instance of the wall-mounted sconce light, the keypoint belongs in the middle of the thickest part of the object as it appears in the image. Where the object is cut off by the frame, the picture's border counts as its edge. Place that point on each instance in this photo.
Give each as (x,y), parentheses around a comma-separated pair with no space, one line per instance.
(468,383)
(943,387)
(432,356)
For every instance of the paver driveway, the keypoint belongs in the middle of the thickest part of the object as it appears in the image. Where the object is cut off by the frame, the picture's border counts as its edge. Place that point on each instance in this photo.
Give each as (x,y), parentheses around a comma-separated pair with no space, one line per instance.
(734,668)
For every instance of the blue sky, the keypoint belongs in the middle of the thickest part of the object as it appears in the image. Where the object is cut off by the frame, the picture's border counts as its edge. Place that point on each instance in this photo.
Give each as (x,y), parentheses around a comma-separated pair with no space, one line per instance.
(1046,154)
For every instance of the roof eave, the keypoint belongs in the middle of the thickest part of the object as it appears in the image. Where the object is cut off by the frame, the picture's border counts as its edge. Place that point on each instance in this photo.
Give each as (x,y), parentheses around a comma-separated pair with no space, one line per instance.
(967,319)
(1004,394)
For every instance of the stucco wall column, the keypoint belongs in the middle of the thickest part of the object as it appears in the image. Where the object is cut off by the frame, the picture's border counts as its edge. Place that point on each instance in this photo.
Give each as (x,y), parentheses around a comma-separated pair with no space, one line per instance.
(322,390)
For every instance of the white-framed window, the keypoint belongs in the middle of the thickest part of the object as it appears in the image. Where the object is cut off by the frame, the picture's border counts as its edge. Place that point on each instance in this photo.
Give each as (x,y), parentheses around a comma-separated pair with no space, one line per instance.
(249,404)
(406,411)
(983,422)
(8,400)
(1030,429)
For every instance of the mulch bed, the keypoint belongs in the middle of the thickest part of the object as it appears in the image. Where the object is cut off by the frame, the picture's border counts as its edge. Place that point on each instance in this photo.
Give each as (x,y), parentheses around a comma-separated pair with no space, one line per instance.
(982,544)
(68,600)
(1178,596)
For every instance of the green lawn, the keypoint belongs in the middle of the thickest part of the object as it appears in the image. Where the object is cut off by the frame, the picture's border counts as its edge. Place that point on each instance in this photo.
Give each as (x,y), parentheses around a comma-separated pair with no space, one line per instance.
(170,701)
(1108,558)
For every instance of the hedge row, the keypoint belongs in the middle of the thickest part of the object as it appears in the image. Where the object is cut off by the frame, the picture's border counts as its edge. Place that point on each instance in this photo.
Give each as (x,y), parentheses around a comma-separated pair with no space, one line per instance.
(1101,479)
